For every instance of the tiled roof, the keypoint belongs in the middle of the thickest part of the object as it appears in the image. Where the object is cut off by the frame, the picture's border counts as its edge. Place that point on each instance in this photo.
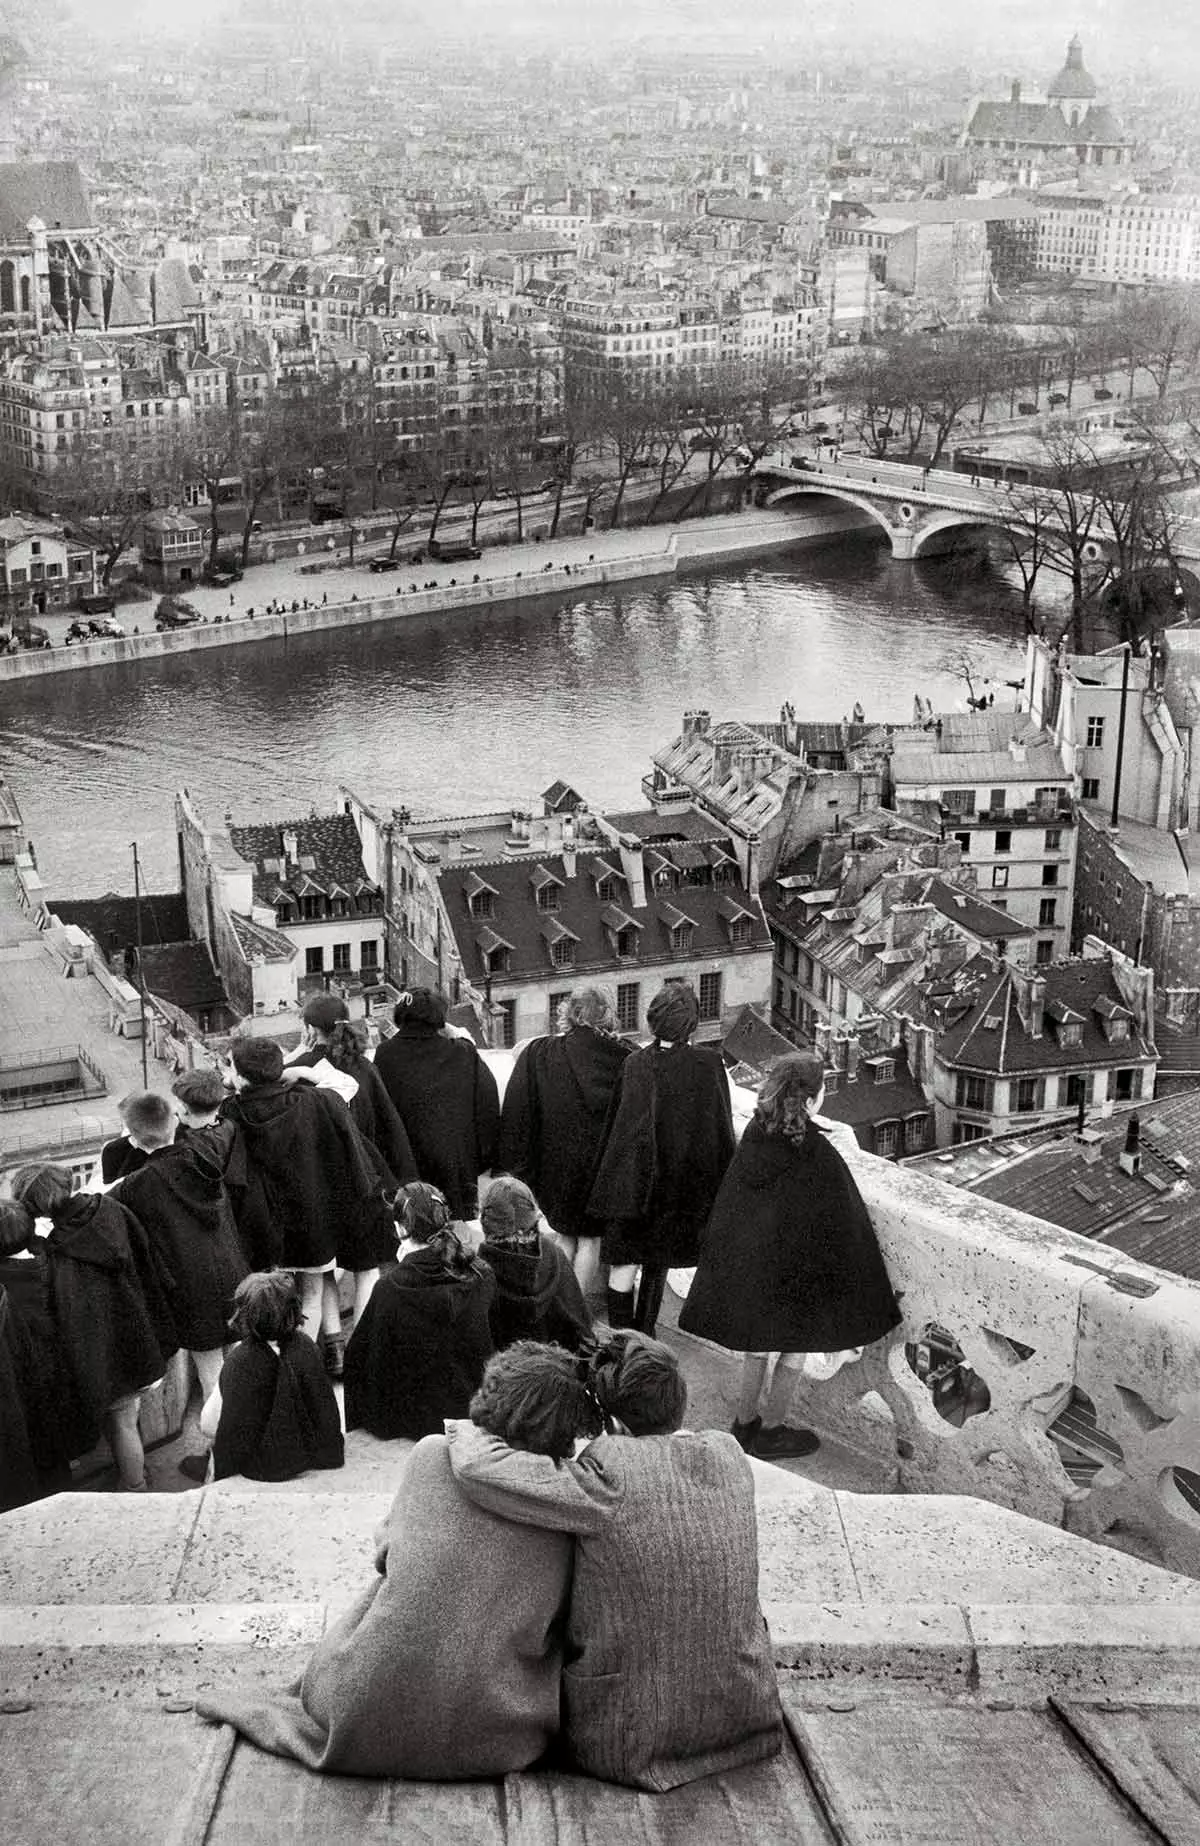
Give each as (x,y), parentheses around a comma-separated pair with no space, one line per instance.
(1154,1215)
(520,924)
(976,749)
(260,939)
(183,973)
(970,1043)
(864,1102)
(752,1041)
(972,912)
(51,190)
(112,920)
(328,849)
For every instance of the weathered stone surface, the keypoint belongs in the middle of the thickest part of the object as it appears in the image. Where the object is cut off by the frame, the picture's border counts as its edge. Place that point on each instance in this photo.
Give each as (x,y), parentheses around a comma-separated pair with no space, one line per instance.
(1146,1652)
(802,1553)
(947,1548)
(251,1548)
(871,1646)
(81,1547)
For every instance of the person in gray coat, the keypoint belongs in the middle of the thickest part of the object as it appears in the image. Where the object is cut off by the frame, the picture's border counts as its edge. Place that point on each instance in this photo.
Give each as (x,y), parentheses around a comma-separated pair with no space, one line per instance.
(668,1674)
(447,1667)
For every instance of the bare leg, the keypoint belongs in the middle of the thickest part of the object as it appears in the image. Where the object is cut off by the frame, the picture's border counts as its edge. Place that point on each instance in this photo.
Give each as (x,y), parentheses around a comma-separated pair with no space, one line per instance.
(788,1368)
(587,1262)
(312,1288)
(364,1283)
(622,1276)
(754,1376)
(208,1370)
(331,1307)
(125,1440)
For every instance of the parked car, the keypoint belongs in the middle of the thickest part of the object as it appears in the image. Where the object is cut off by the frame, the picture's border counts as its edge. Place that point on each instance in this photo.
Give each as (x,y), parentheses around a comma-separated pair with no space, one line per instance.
(226,568)
(78,631)
(1027,409)
(1058,397)
(379,565)
(805,462)
(1102,394)
(453,550)
(173,612)
(107,628)
(33,637)
(97,605)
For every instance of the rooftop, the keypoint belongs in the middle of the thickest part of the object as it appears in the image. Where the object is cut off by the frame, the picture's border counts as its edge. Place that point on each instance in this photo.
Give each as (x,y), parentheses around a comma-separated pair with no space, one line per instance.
(994,1034)
(975,747)
(327,852)
(1154,856)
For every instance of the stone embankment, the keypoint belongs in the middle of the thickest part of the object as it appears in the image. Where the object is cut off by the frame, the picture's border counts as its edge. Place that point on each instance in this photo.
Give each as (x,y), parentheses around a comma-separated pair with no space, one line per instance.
(563,567)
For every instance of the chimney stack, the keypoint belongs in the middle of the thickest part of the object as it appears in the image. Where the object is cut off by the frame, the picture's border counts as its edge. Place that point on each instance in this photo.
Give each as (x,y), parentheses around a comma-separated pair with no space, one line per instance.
(291,847)
(1016,90)
(1131,1154)
(1037,1006)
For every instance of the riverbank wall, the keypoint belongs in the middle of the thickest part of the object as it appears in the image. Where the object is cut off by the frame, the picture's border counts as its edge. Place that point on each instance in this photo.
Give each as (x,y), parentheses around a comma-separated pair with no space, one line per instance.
(682,548)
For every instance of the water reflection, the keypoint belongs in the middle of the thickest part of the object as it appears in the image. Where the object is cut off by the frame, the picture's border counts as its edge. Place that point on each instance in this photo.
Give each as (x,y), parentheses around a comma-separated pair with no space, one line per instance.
(444,713)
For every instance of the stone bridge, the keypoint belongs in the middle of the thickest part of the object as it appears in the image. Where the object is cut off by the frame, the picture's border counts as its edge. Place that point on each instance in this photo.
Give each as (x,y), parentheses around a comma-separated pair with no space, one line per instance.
(920,509)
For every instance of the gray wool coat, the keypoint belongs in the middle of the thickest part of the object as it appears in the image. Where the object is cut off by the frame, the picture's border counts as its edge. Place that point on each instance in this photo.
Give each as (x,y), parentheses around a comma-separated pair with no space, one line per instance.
(668,1673)
(446,1668)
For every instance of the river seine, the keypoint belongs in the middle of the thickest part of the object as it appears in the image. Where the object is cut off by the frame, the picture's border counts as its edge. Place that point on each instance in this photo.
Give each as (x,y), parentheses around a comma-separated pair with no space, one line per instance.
(454,713)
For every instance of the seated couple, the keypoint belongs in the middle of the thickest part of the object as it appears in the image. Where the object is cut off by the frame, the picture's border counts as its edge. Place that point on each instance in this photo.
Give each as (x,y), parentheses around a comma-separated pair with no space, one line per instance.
(524,1589)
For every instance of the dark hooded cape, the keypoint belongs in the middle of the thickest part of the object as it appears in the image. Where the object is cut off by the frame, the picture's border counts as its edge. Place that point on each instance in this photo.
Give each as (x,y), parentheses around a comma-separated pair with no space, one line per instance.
(55,1423)
(789,1261)
(449,1104)
(278,1412)
(552,1124)
(375,1115)
(309,1179)
(669,1140)
(537,1296)
(109,1292)
(179,1198)
(417,1354)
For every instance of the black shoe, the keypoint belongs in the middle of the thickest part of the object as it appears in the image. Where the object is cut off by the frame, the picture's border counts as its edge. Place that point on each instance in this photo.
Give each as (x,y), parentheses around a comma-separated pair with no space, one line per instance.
(335,1356)
(783,1443)
(195,1466)
(747,1433)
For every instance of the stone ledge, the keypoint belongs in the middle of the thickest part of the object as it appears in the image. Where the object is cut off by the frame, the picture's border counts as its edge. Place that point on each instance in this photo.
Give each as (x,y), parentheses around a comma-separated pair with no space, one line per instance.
(885,1642)
(163,1624)
(1146,1653)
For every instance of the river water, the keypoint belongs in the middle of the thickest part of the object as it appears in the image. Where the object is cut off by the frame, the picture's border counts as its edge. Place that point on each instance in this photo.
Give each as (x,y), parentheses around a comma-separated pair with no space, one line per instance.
(453,713)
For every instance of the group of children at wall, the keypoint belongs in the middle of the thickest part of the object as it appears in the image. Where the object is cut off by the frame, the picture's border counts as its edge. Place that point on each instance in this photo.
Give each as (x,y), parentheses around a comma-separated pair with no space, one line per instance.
(212,1227)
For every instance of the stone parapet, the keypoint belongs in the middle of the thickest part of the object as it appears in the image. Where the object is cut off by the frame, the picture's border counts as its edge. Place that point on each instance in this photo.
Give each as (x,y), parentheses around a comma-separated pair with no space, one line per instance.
(1047,1323)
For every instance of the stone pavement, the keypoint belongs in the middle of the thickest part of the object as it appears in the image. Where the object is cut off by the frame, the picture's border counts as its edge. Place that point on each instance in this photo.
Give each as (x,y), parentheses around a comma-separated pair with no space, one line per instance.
(949,1672)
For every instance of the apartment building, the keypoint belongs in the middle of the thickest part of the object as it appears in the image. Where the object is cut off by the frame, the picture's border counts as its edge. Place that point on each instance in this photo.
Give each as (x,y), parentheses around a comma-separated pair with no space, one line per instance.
(995,782)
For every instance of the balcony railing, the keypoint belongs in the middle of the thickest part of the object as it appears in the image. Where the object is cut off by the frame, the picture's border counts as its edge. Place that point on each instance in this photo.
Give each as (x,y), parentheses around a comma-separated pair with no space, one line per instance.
(1033,1368)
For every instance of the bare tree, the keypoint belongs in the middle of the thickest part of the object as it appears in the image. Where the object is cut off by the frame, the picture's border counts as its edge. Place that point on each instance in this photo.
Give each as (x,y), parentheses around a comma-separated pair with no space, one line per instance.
(102,493)
(630,422)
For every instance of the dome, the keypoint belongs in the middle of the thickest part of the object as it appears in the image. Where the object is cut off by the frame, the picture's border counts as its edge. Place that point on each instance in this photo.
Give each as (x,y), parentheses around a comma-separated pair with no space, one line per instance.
(1072,83)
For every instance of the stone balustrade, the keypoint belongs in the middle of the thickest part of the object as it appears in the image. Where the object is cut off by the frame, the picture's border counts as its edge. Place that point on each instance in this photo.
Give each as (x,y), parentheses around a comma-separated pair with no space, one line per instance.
(1068,1347)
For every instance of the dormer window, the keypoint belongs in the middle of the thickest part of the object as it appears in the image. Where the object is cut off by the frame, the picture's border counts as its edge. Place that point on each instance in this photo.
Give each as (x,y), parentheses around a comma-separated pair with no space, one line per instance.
(627,942)
(562,953)
(738,921)
(481,897)
(495,952)
(606,889)
(285,914)
(313,907)
(548,897)
(740,930)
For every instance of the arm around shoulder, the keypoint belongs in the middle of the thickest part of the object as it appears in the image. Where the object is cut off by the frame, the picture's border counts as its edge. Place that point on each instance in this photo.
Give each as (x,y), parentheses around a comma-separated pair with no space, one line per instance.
(568,1496)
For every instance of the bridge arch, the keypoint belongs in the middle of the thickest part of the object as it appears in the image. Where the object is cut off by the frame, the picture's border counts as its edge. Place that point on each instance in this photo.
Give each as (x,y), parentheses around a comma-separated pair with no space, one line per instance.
(938,524)
(801,490)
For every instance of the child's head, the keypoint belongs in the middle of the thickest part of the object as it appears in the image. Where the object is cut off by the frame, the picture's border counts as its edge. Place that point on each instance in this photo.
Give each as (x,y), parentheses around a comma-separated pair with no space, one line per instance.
(510,1214)
(16,1227)
(266,1306)
(347,1042)
(256,1060)
(149,1120)
(321,1014)
(538,1398)
(638,1380)
(43,1190)
(791,1093)
(198,1096)
(421,1211)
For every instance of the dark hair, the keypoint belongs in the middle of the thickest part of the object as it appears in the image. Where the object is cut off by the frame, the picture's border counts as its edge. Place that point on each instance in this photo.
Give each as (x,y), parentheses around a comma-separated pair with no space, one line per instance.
(674,1013)
(266,1306)
(538,1398)
(43,1190)
(638,1380)
(258,1060)
(346,1043)
(149,1117)
(424,1217)
(796,1080)
(201,1091)
(421,1006)
(324,1011)
(16,1227)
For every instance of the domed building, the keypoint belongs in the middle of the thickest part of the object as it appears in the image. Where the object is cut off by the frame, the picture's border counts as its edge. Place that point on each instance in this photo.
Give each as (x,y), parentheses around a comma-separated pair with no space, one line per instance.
(1068,122)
